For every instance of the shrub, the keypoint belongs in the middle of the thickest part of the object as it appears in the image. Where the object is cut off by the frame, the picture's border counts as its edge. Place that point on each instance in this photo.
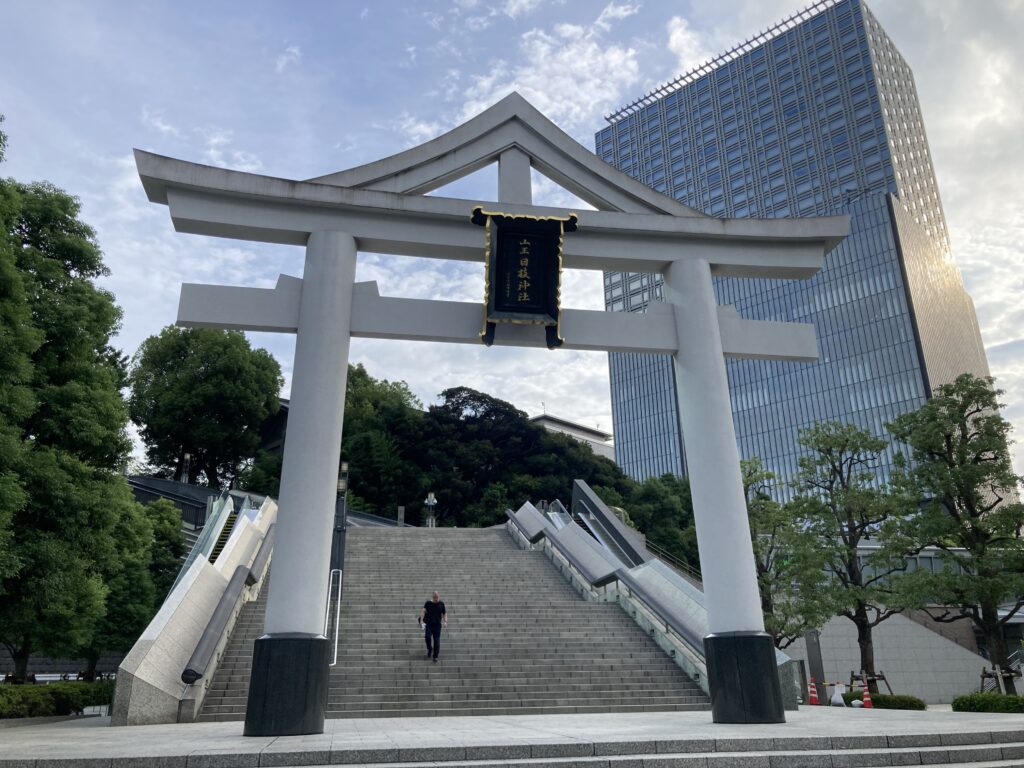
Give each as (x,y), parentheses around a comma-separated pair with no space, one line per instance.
(53,699)
(887,701)
(988,702)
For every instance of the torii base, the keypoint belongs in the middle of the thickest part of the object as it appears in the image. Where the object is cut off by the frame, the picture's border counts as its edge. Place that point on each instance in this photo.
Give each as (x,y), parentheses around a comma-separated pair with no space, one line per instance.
(288,686)
(743,678)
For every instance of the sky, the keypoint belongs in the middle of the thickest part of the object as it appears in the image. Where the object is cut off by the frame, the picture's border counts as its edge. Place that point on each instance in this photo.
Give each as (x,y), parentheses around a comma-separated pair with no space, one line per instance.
(298,90)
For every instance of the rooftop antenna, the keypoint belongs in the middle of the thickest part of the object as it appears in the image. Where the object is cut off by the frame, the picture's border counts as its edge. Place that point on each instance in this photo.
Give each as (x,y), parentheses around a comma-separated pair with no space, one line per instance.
(544,407)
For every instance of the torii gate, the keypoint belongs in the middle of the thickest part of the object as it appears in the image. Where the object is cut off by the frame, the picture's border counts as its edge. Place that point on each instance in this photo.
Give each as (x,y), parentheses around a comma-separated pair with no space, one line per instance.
(381,207)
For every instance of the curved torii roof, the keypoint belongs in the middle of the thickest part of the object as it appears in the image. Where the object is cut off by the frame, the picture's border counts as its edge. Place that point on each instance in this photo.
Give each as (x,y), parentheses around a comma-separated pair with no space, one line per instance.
(512,122)
(384,206)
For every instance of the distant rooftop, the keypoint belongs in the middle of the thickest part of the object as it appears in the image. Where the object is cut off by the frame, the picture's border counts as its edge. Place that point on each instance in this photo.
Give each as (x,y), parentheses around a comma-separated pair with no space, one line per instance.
(712,64)
(597,434)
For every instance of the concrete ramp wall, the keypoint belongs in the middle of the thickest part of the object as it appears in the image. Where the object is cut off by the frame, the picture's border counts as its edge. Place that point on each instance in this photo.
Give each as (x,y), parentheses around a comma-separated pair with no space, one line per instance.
(149,688)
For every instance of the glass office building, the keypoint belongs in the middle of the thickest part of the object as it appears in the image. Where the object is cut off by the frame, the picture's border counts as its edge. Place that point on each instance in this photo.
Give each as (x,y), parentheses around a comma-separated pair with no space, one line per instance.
(817,116)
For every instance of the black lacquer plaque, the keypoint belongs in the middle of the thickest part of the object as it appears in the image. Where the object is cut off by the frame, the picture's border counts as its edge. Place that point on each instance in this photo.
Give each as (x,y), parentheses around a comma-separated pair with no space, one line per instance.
(523,277)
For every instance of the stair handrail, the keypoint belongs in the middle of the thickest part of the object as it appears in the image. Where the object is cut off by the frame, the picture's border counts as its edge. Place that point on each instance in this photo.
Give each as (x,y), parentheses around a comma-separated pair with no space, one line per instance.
(337,610)
(662,612)
(262,559)
(634,589)
(208,641)
(209,535)
(680,565)
(206,648)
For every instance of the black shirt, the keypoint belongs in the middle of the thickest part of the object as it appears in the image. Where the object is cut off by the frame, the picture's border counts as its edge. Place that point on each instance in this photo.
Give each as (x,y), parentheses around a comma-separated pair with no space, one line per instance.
(432,612)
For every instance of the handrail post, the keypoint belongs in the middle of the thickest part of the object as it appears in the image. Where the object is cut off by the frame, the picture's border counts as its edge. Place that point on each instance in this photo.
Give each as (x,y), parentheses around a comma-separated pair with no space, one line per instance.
(337,610)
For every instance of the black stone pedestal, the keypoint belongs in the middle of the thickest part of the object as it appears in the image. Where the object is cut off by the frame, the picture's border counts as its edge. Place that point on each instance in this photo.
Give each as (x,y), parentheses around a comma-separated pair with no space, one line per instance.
(743,678)
(288,687)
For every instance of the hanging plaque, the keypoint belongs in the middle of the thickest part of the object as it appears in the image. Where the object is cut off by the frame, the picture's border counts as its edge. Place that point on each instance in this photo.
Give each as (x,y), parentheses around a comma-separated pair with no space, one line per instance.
(523,271)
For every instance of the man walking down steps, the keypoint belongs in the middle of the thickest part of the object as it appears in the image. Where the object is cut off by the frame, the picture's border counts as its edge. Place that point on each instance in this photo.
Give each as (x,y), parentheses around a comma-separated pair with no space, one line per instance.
(433,616)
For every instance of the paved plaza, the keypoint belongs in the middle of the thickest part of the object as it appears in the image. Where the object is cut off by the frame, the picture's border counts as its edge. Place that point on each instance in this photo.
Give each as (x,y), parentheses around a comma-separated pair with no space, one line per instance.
(89,743)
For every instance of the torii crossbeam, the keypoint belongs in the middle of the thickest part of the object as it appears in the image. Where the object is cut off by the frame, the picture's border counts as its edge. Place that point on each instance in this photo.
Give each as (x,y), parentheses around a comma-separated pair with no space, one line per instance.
(381,207)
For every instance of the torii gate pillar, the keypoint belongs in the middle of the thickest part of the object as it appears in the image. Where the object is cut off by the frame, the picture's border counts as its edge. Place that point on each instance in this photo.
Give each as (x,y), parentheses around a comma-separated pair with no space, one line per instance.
(288,686)
(740,656)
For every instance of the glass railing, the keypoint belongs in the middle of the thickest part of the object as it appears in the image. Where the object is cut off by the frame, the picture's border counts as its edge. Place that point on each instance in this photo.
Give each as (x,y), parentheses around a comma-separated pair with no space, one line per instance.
(222,509)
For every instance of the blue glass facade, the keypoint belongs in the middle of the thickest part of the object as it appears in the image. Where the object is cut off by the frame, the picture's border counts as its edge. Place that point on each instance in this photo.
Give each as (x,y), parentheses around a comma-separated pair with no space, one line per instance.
(817,117)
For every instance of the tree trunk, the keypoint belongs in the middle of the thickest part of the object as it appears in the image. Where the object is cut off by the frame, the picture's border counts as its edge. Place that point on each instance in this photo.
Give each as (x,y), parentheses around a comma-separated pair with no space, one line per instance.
(867,646)
(20,657)
(997,651)
(91,660)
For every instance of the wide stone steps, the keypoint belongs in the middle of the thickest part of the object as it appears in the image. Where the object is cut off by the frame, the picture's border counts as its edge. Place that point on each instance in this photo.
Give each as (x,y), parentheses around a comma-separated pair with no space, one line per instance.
(520,640)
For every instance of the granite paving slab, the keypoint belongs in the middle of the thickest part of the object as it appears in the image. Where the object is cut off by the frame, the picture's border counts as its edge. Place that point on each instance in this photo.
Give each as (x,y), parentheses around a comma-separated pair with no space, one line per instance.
(505,739)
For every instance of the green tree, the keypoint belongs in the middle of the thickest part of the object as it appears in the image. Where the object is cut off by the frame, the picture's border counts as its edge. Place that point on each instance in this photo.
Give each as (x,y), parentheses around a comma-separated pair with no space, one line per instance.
(790,566)
(843,507)
(262,474)
(63,432)
(202,392)
(19,339)
(662,508)
(168,546)
(380,440)
(961,472)
(477,453)
(130,596)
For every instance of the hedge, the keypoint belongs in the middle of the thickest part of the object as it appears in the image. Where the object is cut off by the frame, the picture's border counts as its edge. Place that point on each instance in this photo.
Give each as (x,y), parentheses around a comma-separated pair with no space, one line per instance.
(988,702)
(53,699)
(887,701)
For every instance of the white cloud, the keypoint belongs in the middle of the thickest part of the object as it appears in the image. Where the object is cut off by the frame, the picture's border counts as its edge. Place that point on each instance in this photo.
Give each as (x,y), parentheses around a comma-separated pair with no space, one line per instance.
(478,23)
(517,8)
(290,55)
(572,73)
(615,12)
(219,152)
(155,119)
(688,46)
(414,130)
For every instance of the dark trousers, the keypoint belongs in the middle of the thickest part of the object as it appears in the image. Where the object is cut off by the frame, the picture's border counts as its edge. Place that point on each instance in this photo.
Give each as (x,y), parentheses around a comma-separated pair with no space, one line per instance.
(433,637)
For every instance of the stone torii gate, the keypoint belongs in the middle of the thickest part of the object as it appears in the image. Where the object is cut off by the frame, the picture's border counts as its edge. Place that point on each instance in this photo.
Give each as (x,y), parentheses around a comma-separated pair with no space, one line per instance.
(382,207)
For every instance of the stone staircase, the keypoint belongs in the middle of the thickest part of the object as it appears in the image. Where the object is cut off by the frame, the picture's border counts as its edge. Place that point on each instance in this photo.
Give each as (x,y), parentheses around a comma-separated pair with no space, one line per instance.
(520,641)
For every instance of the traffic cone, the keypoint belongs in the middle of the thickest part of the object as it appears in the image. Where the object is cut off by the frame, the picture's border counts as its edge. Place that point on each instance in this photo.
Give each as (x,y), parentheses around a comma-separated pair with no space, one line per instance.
(812,700)
(867,695)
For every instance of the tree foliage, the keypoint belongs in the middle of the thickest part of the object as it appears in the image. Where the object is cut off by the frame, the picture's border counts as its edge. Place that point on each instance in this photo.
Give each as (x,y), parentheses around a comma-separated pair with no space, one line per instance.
(843,508)
(168,546)
(63,425)
(790,564)
(969,508)
(203,392)
(477,453)
(662,508)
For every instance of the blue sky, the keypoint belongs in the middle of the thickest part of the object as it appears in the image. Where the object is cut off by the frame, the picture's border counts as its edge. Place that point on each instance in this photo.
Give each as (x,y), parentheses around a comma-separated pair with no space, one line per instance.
(303,89)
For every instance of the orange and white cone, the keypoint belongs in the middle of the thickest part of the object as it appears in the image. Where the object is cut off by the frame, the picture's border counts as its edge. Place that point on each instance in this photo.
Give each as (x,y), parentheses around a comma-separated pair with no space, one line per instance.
(867,695)
(812,700)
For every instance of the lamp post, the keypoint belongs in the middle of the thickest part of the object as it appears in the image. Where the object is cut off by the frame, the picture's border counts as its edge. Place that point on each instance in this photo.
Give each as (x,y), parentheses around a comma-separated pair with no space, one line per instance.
(431,502)
(340,519)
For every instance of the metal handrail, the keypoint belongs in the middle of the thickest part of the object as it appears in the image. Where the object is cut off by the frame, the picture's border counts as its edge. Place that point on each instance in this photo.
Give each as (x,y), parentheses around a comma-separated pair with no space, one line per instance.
(201,657)
(206,648)
(262,559)
(663,614)
(665,556)
(337,611)
(636,590)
